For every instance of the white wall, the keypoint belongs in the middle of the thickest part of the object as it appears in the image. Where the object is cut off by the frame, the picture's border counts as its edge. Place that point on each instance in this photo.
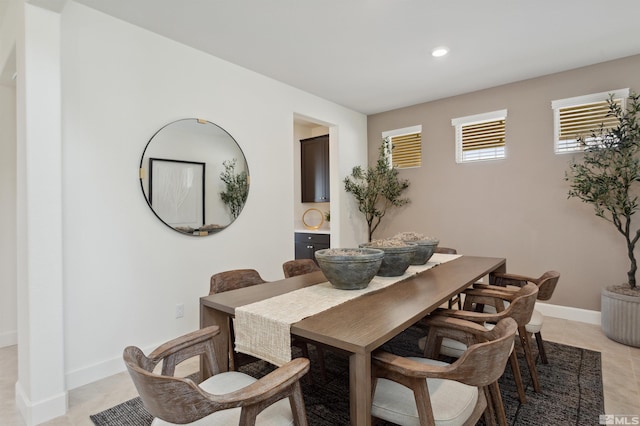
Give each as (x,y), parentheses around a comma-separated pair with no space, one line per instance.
(8,313)
(124,271)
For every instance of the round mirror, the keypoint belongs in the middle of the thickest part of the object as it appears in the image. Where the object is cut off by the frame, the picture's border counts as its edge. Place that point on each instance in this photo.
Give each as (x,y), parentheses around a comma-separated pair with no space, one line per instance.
(194,177)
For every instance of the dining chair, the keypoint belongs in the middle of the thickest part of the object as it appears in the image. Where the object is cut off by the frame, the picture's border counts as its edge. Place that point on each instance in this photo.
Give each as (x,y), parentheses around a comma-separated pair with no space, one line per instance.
(440,341)
(546,283)
(421,391)
(292,268)
(456,300)
(241,278)
(224,398)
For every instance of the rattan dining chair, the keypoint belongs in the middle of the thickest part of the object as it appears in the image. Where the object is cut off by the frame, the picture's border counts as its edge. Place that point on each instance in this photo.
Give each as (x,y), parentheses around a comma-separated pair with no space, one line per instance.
(225,398)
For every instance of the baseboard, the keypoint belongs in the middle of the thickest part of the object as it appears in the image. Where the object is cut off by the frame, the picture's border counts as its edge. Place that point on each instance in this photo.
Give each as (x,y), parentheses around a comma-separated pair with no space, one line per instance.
(98,371)
(568,313)
(35,413)
(8,338)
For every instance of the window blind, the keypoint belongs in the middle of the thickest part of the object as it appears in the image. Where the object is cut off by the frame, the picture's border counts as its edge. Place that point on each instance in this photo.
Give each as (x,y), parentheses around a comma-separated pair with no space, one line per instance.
(481,137)
(581,116)
(407,150)
(581,121)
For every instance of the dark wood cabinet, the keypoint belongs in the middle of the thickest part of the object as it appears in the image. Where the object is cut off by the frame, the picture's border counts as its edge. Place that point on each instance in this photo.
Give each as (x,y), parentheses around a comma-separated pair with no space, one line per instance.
(308,243)
(314,164)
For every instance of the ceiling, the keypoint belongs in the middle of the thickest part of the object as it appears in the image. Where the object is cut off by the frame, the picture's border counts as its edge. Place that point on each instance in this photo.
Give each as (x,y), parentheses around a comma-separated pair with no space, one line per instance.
(375,55)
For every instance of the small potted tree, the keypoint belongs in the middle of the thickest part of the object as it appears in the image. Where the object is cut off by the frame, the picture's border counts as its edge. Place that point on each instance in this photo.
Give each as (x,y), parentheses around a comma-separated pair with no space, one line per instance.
(608,178)
(378,188)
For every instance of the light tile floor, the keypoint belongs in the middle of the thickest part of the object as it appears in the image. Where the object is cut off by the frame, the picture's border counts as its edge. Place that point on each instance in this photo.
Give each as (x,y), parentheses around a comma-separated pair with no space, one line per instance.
(620,374)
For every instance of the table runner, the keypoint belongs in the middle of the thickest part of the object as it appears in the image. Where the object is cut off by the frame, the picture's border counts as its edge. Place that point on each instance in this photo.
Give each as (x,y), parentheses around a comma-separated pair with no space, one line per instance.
(262,328)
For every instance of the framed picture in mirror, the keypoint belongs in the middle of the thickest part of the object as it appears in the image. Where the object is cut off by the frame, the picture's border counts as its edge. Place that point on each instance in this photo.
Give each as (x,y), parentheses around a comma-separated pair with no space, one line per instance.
(176,191)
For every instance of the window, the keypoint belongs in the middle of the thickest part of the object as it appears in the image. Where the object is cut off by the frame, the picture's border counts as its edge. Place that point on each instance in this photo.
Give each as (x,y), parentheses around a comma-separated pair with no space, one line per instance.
(481,136)
(578,117)
(406,146)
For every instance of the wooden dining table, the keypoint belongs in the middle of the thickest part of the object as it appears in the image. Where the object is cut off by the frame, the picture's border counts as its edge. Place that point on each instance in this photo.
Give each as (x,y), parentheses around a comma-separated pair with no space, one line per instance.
(358,326)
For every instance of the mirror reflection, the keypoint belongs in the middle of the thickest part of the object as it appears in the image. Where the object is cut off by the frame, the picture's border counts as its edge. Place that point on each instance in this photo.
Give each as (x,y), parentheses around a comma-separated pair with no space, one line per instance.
(194,177)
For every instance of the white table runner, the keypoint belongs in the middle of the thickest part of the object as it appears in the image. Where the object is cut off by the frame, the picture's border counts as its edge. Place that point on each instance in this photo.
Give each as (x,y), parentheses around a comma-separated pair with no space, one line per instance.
(262,329)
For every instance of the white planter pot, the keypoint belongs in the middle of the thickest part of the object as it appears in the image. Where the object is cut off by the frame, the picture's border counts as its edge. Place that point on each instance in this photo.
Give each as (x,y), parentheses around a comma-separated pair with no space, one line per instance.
(620,316)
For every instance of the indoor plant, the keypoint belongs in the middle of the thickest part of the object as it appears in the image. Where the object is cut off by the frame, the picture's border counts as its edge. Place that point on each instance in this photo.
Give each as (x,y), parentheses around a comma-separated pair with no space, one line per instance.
(378,188)
(608,177)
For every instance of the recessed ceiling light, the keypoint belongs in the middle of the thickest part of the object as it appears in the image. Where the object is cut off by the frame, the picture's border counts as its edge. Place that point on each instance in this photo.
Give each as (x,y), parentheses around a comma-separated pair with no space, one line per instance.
(439,51)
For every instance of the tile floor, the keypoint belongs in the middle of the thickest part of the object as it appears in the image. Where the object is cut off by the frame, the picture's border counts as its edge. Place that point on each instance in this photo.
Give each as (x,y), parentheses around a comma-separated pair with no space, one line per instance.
(620,371)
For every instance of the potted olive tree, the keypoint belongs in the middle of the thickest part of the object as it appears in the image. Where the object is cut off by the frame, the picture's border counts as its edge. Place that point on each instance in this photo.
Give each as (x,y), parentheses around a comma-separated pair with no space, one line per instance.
(378,188)
(608,178)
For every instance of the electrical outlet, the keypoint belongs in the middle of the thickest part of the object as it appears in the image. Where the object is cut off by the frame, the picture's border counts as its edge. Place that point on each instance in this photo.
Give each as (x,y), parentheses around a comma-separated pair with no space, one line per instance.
(179,310)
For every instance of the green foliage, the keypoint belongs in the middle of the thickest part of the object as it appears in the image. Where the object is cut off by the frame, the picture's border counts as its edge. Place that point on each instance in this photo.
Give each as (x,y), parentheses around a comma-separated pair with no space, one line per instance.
(609,173)
(237,187)
(378,188)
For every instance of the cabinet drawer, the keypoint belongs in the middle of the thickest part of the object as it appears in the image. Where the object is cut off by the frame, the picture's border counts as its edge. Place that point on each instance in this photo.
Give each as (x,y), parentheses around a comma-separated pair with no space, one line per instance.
(304,237)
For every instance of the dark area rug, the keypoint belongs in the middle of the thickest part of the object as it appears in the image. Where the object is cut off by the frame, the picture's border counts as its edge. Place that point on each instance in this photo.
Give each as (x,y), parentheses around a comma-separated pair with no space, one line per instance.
(571,389)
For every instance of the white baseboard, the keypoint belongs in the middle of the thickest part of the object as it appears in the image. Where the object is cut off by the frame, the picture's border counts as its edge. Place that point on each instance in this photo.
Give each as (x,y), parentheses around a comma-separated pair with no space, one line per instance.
(34,413)
(8,338)
(98,371)
(568,313)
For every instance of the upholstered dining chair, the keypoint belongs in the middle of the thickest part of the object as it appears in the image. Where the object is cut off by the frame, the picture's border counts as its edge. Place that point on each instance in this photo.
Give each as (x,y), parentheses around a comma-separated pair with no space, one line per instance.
(231,280)
(457,300)
(546,283)
(292,268)
(225,398)
(439,340)
(241,278)
(420,391)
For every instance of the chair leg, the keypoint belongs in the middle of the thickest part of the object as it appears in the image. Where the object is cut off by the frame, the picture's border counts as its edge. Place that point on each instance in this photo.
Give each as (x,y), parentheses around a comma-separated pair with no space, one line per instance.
(517,377)
(541,351)
(489,412)
(498,406)
(528,354)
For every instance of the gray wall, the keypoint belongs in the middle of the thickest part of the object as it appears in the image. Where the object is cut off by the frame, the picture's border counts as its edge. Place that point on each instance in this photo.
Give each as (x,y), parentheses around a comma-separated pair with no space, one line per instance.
(517,207)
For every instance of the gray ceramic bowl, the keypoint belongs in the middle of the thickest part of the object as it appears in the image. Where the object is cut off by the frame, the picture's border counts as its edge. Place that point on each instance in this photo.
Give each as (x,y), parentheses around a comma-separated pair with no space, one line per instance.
(425,250)
(396,258)
(350,268)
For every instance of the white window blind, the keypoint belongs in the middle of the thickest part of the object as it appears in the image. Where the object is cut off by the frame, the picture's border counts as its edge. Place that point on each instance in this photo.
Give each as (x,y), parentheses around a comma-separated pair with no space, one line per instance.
(406,145)
(580,116)
(481,136)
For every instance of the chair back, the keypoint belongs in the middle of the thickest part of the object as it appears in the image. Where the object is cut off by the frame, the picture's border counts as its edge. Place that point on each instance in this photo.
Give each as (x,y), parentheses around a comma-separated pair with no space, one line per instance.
(234,279)
(297,267)
(483,363)
(521,307)
(171,399)
(547,284)
(445,250)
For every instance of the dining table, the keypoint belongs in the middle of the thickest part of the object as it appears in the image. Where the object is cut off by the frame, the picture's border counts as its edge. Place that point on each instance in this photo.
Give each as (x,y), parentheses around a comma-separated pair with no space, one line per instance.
(361,325)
